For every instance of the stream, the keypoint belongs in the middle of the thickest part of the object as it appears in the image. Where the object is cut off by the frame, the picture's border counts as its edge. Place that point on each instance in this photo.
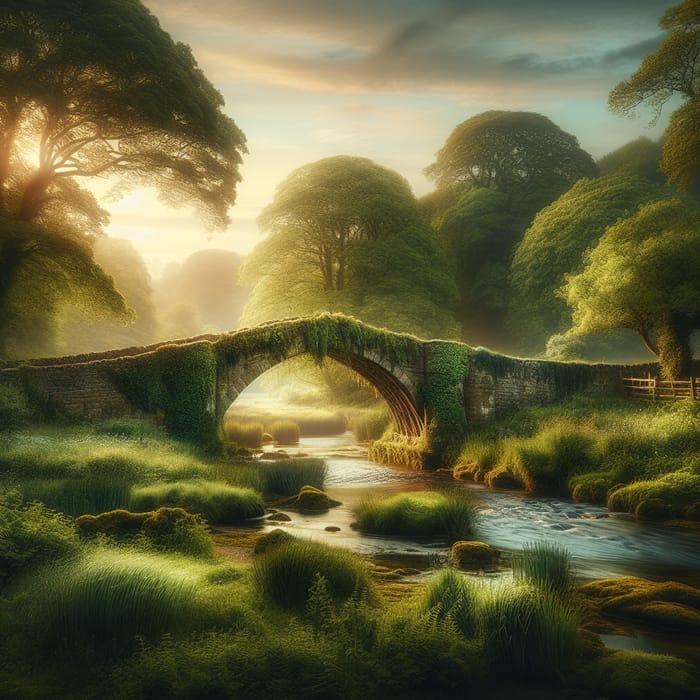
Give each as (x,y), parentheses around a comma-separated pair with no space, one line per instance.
(601,544)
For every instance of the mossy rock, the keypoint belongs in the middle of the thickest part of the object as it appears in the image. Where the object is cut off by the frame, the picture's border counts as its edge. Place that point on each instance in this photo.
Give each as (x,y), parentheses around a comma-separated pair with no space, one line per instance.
(271,539)
(637,675)
(590,489)
(310,500)
(653,510)
(668,605)
(473,555)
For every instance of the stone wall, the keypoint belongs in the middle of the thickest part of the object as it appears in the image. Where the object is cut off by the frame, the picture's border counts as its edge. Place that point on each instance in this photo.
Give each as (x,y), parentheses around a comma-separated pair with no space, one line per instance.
(498,385)
(82,390)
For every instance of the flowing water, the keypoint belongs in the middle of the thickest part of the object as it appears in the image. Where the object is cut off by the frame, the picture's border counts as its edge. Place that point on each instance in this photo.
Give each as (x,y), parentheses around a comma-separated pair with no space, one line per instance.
(601,544)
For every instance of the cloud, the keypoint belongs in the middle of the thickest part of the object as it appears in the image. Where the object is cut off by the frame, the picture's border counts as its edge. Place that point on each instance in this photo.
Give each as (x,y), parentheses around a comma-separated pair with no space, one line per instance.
(404,45)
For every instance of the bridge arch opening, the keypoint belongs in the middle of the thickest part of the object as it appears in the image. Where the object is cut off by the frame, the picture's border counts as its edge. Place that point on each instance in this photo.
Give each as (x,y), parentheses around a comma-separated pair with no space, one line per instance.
(385,380)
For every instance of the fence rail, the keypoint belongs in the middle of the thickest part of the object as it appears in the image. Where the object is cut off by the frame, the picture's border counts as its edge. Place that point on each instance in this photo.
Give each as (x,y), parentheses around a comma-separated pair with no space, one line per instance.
(652,388)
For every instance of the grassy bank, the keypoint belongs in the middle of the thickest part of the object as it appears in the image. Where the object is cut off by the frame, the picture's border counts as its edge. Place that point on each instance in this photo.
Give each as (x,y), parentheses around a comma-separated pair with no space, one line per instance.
(637,457)
(135,606)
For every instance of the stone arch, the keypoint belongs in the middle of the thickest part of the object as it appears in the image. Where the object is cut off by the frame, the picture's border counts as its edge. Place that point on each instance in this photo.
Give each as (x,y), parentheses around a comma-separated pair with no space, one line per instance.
(390,382)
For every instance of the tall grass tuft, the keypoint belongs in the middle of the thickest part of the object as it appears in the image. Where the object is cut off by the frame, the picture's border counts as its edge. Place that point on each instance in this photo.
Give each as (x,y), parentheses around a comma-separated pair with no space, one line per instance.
(285,432)
(451,596)
(425,514)
(370,425)
(216,502)
(528,633)
(244,434)
(90,495)
(285,573)
(101,605)
(286,477)
(545,566)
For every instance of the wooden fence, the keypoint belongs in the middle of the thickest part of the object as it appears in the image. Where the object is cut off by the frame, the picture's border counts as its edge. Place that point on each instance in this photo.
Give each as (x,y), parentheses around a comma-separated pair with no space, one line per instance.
(652,388)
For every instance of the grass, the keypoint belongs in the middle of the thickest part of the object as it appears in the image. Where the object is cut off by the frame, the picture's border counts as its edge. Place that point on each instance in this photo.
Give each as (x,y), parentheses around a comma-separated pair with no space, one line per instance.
(287,477)
(448,516)
(285,432)
(545,566)
(285,573)
(245,434)
(527,633)
(451,596)
(216,502)
(102,603)
(311,422)
(30,535)
(370,425)
(585,447)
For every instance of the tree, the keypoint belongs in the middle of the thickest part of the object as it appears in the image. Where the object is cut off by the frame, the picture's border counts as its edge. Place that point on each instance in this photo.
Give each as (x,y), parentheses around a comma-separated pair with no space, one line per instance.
(673,69)
(494,173)
(510,152)
(95,88)
(643,275)
(346,235)
(555,243)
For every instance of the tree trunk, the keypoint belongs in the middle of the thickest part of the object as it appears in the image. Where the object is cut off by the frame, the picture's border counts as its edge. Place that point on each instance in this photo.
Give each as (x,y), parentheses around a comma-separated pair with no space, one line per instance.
(12,253)
(33,194)
(675,353)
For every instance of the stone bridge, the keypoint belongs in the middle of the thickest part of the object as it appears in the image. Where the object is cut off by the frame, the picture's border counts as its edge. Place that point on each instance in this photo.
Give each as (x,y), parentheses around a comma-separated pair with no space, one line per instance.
(436,390)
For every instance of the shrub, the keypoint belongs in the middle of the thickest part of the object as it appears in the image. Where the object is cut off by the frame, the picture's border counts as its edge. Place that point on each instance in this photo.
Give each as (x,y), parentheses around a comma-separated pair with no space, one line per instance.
(545,566)
(528,633)
(244,434)
(31,534)
(473,555)
(168,529)
(285,572)
(427,513)
(216,502)
(285,432)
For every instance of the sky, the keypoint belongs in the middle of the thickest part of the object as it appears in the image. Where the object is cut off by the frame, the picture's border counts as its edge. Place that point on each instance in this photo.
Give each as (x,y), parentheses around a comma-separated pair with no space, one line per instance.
(387,80)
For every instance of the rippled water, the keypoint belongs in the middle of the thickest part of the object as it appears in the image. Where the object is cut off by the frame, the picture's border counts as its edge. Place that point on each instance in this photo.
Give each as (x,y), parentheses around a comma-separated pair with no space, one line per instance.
(601,544)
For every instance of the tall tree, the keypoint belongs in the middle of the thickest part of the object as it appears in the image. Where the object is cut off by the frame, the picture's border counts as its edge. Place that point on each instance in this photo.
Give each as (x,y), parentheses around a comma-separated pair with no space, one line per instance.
(95,88)
(346,235)
(673,69)
(643,275)
(510,151)
(494,173)
(555,243)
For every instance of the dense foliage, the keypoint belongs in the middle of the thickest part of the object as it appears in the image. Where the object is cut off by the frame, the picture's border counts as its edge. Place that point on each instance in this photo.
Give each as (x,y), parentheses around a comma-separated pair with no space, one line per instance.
(95,89)
(643,275)
(346,235)
(555,244)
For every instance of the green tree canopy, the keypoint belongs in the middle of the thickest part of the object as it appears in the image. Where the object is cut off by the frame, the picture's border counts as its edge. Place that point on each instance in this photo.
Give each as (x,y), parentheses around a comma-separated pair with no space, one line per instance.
(643,275)
(673,69)
(510,151)
(95,88)
(555,243)
(346,235)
